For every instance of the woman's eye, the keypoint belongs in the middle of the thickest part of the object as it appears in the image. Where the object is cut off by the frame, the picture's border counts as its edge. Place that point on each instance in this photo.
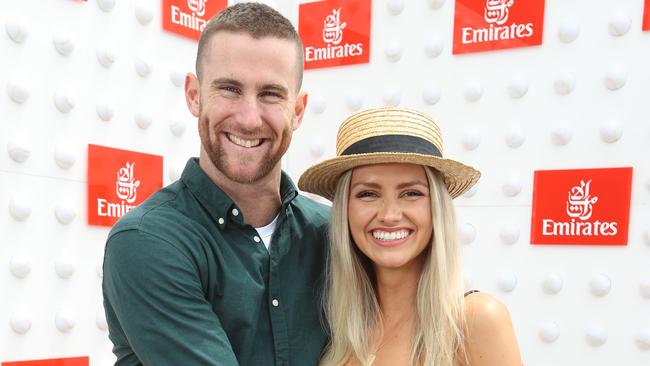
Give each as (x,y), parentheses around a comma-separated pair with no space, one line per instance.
(366,194)
(413,194)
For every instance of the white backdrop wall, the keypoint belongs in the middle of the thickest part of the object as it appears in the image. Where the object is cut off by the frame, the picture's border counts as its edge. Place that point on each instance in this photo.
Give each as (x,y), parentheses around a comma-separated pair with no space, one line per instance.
(51,297)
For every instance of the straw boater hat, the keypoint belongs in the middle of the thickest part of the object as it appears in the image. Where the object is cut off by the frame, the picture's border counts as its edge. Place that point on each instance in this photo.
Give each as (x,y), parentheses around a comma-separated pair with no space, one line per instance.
(387,135)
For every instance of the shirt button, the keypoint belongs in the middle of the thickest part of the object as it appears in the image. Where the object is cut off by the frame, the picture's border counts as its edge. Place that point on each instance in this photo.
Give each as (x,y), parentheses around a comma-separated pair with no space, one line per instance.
(257,239)
(221,221)
(275,302)
(235,212)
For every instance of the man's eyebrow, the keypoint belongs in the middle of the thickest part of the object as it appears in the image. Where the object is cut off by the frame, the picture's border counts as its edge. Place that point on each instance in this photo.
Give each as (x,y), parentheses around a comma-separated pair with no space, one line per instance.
(216,83)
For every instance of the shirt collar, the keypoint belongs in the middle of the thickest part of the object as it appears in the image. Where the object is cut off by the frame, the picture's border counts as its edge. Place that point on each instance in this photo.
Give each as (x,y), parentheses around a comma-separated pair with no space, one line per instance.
(220,206)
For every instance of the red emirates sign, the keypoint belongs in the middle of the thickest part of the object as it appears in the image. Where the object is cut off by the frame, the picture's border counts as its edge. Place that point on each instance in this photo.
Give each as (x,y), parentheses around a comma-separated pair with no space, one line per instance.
(188,17)
(486,25)
(74,361)
(582,206)
(646,16)
(335,32)
(119,180)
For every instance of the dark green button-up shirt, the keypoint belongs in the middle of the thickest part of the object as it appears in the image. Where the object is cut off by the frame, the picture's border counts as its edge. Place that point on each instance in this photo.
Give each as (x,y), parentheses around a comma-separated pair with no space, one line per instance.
(186,282)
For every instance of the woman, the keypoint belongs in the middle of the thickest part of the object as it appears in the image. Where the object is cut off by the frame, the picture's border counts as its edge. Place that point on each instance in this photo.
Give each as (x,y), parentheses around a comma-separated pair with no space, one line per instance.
(394,294)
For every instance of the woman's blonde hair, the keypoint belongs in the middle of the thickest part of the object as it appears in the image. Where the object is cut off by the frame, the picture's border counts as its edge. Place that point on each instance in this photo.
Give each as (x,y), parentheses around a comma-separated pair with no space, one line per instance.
(350,303)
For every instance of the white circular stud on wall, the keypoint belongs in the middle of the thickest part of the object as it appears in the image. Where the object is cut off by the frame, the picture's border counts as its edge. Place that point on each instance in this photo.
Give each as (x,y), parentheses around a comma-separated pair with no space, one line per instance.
(552,283)
(20,321)
(512,185)
(177,77)
(393,50)
(391,97)
(436,4)
(643,339)
(596,335)
(99,268)
(549,331)
(105,109)
(20,206)
(353,102)
(434,46)
(565,83)
(615,78)
(471,139)
(467,233)
(644,288)
(19,148)
(472,91)
(431,94)
(619,24)
(64,155)
(318,104)
(143,119)
(65,320)
(518,87)
(561,134)
(316,149)
(600,285)
(509,234)
(106,5)
(105,55)
(507,281)
(65,213)
(515,136)
(142,66)
(569,30)
(17,90)
(20,264)
(100,319)
(177,127)
(395,7)
(64,100)
(611,131)
(17,29)
(63,42)
(64,267)
(144,11)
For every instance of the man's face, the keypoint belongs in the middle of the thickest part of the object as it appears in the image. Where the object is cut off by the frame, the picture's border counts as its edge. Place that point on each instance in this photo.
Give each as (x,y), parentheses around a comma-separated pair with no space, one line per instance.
(248,105)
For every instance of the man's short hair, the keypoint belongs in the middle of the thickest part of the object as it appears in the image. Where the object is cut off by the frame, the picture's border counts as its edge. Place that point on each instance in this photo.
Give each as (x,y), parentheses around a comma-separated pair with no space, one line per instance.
(255,19)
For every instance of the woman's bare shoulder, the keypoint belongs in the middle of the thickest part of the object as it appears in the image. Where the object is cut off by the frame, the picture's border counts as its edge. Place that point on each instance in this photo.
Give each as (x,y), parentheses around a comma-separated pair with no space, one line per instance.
(490,338)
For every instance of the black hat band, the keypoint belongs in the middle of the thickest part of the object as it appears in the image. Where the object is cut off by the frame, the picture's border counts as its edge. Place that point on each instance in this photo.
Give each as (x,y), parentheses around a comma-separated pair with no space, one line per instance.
(393,144)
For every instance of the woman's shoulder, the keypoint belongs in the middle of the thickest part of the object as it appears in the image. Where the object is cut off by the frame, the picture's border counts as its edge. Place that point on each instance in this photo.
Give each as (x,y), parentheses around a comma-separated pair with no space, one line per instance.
(490,337)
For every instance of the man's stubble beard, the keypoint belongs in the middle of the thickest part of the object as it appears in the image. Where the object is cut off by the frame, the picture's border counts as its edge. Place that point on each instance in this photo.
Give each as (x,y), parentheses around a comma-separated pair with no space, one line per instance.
(218,157)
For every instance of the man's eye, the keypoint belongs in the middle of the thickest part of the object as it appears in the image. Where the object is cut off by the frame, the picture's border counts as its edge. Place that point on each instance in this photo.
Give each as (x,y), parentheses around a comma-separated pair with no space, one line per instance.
(230,89)
(270,96)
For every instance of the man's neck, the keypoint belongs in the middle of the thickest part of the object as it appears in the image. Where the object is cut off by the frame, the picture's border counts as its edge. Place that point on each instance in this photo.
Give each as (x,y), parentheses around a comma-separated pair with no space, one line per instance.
(259,202)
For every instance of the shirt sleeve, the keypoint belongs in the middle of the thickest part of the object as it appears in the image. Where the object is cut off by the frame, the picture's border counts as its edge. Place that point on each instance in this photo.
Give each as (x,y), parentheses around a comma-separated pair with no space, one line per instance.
(156,310)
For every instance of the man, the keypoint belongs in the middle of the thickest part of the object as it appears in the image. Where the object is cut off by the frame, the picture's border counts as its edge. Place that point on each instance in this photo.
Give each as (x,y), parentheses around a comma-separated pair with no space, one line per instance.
(188,278)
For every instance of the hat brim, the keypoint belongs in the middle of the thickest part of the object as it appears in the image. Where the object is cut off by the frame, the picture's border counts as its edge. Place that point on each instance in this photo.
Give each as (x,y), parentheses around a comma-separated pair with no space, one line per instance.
(321,179)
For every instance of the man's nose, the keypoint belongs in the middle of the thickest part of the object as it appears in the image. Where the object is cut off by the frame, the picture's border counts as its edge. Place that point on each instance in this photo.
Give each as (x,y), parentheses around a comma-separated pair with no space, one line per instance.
(249,113)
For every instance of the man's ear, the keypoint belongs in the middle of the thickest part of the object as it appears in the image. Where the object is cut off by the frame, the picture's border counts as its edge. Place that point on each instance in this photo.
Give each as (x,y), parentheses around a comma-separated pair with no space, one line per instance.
(192,94)
(299,109)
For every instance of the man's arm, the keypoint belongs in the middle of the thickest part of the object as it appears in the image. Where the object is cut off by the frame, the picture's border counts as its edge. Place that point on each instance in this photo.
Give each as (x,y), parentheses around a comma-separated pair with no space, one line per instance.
(155,306)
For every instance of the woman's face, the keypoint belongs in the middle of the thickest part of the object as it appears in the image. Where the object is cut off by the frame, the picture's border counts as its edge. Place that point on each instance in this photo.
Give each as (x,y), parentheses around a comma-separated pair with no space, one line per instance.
(389,213)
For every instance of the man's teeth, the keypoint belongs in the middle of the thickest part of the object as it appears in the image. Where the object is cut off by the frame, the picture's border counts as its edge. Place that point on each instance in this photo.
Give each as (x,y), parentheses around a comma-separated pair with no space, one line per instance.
(393,235)
(242,142)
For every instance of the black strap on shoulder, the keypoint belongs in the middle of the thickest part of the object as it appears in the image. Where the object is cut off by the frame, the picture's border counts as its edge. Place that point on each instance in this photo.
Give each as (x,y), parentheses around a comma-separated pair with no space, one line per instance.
(470,292)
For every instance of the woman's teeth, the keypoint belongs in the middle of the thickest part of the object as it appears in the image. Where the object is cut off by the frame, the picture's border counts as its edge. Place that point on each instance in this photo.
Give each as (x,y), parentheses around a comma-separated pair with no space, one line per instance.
(393,235)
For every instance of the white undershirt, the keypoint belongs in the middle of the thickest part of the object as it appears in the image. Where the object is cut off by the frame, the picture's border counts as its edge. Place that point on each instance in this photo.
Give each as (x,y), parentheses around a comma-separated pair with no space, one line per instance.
(266,232)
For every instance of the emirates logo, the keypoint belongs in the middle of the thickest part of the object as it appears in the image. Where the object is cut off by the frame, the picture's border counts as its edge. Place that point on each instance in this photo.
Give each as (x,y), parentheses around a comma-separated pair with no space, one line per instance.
(580,203)
(496,11)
